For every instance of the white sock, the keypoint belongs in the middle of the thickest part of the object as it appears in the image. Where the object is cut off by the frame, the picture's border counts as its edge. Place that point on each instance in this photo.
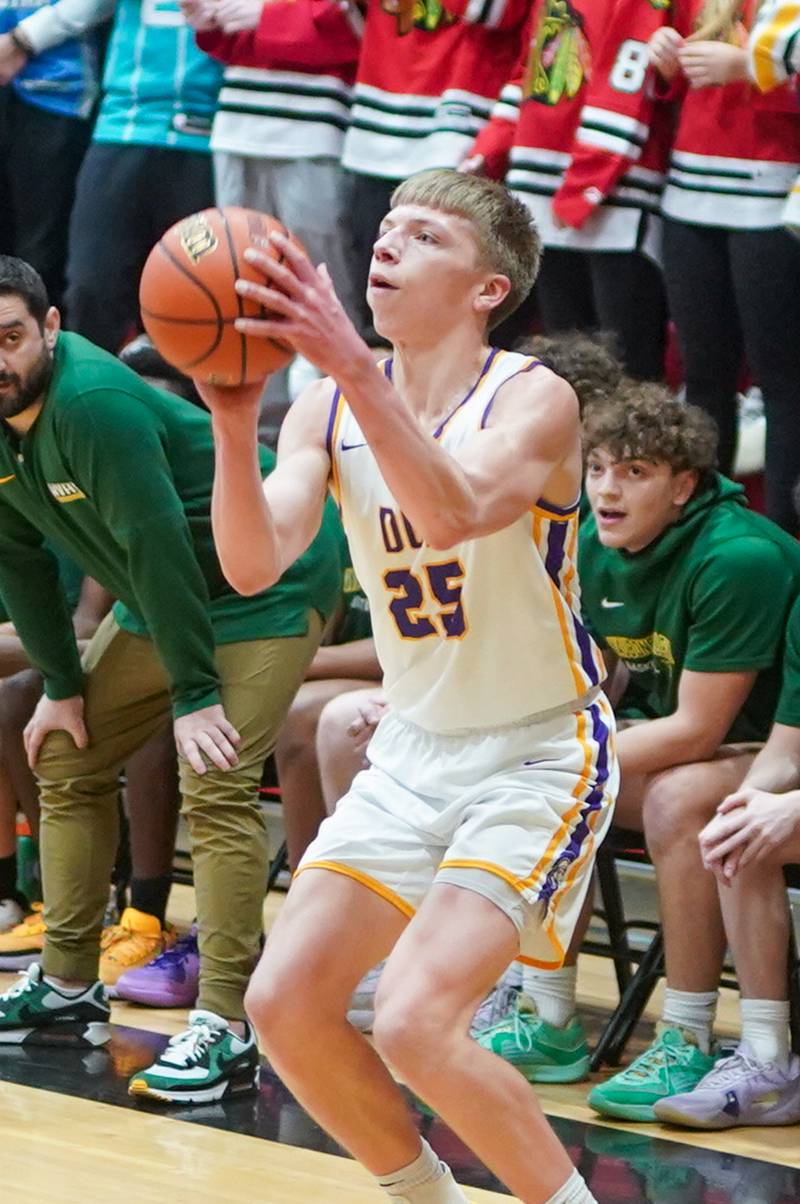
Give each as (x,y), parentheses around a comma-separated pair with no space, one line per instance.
(765,1029)
(693,1011)
(68,992)
(426,1180)
(552,991)
(574,1191)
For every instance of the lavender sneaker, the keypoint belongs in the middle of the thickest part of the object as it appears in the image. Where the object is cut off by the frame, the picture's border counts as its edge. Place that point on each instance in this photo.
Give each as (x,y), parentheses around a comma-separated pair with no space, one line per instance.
(738,1091)
(500,1002)
(171,981)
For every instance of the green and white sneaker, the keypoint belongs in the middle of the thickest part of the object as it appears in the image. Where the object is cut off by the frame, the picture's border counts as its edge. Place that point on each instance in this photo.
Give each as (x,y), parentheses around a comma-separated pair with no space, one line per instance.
(672,1065)
(206,1062)
(542,1052)
(33,1012)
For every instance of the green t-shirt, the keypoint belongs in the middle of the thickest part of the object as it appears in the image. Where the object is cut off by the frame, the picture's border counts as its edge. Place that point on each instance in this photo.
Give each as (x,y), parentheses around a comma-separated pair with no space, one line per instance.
(788,711)
(711,595)
(119,474)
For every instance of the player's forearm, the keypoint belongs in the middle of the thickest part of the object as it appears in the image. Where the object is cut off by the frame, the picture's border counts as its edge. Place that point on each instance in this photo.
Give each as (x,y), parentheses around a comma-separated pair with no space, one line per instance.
(430,487)
(777,766)
(659,744)
(244,532)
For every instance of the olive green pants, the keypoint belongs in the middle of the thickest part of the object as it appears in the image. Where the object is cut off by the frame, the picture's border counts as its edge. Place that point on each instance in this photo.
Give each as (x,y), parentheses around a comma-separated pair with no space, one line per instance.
(126,700)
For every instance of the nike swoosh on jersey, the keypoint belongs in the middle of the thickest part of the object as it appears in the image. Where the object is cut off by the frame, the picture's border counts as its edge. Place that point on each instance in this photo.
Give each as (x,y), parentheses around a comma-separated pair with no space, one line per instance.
(351,446)
(606,605)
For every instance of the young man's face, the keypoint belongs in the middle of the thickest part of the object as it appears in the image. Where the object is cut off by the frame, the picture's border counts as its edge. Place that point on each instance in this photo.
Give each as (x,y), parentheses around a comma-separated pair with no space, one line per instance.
(26,354)
(633,501)
(426,275)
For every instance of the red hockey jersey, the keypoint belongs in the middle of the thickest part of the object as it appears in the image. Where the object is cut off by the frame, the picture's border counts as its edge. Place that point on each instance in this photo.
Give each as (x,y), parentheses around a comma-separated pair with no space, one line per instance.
(736,152)
(588,138)
(287,88)
(429,74)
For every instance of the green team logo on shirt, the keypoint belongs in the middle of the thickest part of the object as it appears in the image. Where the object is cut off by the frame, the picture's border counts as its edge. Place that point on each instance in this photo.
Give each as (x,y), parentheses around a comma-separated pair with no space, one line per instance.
(560,60)
(428,15)
(643,653)
(66,491)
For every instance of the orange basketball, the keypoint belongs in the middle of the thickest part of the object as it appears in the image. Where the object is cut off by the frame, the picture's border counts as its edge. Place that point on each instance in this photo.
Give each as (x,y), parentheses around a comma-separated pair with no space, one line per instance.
(189,303)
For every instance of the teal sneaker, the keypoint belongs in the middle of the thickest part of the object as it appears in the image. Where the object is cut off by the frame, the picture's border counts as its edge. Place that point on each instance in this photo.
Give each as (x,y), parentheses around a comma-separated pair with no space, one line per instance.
(540,1051)
(672,1065)
(33,1012)
(207,1062)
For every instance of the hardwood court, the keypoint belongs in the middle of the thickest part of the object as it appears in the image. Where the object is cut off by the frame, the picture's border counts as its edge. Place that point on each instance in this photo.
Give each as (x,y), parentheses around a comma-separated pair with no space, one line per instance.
(69,1131)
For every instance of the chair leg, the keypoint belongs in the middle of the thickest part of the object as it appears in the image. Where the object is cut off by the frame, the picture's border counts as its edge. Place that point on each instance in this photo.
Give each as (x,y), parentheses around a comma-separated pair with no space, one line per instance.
(279,863)
(628,1011)
(614,915)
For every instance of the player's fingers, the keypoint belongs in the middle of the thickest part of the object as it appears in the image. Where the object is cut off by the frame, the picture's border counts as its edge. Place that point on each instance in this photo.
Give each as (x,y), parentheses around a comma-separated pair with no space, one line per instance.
(33,744)
(356,727)
(737,799)
(228,730)
(79,733)
(297,259)
(269,298)
(212,745)
(263,328)
(191,753)
(278,273)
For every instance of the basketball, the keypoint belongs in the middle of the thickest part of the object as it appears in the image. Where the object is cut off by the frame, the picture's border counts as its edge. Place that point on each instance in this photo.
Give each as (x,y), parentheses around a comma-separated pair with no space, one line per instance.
(189,303)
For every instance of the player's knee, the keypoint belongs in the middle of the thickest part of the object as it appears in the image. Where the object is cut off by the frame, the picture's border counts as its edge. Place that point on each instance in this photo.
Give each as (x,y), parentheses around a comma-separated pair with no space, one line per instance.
(675,810)
(277,1013)
(408,1029)
(335,719)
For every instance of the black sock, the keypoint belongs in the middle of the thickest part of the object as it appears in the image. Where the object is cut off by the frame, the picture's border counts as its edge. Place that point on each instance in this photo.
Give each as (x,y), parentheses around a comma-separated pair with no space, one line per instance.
(150,895)
(8,877)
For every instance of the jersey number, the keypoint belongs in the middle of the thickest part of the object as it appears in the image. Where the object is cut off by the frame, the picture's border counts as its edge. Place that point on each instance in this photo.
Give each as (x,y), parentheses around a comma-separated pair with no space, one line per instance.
(630,68)
(440,582)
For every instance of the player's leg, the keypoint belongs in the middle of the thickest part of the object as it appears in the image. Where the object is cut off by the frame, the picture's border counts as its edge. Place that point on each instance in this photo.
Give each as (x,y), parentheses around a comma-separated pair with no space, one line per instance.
(126,697)
(18,697)
(230,853)
(341,755)
(444,963)
(762,1077)
(676,806)
(297,764)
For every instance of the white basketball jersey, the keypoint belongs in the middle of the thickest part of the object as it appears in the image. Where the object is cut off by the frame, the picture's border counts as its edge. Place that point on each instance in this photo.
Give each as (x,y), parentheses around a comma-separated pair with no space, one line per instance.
(487,633)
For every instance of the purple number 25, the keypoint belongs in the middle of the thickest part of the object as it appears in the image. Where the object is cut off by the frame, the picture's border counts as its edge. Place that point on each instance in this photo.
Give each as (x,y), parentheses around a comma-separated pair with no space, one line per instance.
(442,583)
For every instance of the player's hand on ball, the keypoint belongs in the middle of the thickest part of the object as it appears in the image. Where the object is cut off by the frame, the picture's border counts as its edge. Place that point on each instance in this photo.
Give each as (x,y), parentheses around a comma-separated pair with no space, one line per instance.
(205,737)
(62,715)
(222,399)
(308,314)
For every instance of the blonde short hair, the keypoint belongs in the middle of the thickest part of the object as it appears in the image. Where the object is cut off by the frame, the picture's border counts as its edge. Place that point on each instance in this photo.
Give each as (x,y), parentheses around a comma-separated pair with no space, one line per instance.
(508,241)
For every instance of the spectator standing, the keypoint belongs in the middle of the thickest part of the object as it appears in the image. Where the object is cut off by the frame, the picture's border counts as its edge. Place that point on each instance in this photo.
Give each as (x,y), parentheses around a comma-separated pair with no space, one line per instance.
(49,83)
(731,266)
(148,165)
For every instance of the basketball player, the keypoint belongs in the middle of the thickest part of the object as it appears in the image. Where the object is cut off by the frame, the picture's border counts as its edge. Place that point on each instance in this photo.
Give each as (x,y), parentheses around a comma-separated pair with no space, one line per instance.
(471,836)
(119,475)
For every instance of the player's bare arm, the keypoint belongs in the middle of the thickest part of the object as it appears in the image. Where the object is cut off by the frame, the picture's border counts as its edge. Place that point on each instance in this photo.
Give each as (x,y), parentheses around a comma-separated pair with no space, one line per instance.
(708,703)
(262,526)
(532,433)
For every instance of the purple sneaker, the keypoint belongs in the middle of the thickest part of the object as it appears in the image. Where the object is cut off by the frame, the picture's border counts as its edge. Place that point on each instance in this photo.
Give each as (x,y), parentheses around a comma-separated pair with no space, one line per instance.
(738,1091)
(171,981)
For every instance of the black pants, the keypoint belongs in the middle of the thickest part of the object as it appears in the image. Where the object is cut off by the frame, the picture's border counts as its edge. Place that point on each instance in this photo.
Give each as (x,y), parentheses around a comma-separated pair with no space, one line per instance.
(369,204)
(127,196)
(736,293)
(619,291)
(40,155)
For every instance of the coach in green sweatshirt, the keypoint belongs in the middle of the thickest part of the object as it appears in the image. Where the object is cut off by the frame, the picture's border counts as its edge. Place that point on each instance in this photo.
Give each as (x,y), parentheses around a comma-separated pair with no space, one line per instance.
(119,475)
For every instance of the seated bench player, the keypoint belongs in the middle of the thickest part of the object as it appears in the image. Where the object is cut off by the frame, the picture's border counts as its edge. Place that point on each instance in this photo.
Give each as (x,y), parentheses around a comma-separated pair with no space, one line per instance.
(688,591)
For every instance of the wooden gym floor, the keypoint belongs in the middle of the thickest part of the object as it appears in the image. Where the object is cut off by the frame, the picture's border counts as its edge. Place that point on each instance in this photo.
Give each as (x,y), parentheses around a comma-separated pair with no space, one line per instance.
(69,1132)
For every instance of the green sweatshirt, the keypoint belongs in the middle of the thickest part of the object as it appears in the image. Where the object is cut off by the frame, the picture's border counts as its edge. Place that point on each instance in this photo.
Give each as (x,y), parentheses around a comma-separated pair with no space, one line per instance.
(119,475)
(711,595)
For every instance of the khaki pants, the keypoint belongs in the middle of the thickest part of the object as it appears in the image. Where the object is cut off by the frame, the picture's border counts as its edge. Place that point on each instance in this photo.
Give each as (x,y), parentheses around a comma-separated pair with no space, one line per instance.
(126,700)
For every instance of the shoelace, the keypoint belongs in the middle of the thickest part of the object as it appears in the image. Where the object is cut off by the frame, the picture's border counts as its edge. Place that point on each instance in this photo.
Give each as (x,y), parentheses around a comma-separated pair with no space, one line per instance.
(522,1034)
(192,1044)
(176,953)
(23,984)
(653,1058)
(732,1068)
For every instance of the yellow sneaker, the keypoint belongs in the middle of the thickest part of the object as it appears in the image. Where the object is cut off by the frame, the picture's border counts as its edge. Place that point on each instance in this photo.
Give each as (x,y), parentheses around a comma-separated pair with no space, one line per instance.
(135,941)
(22,945)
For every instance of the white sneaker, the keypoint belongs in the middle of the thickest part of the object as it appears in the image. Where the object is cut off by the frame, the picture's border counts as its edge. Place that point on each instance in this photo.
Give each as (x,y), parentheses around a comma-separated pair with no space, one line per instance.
(361,1012)
(11,914)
